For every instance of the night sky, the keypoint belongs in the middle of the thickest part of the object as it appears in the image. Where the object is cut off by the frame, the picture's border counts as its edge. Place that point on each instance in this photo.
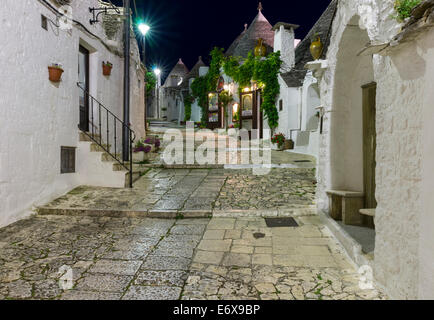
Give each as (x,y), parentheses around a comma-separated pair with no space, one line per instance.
(188,29)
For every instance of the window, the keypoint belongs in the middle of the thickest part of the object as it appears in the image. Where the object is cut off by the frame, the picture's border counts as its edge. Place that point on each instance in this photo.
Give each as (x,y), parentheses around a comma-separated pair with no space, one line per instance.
(67,159)
(44,22)
(280,105)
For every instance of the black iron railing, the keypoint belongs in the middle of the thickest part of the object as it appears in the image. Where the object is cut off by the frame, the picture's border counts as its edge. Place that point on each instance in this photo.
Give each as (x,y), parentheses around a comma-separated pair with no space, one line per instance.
(104,129)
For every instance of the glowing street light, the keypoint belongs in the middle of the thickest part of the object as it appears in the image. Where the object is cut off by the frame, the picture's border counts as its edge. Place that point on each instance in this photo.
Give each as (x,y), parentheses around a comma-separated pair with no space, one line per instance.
(157,71)
(144,28)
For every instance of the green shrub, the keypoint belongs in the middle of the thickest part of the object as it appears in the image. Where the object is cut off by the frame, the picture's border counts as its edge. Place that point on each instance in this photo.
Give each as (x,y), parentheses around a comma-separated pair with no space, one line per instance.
(403,8)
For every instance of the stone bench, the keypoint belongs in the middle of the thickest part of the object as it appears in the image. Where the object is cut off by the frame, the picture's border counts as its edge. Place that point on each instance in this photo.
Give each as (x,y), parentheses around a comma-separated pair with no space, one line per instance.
(368,212)
(346,206)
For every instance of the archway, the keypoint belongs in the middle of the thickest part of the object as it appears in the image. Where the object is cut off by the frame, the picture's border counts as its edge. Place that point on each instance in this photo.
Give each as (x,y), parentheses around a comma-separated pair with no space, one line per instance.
(347,126)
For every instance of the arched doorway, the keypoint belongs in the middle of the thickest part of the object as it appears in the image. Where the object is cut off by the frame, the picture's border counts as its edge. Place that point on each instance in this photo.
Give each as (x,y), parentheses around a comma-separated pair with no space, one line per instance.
(352,134)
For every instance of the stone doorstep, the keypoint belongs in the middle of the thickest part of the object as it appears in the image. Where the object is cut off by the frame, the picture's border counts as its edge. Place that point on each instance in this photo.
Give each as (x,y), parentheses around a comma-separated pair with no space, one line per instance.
(352,248)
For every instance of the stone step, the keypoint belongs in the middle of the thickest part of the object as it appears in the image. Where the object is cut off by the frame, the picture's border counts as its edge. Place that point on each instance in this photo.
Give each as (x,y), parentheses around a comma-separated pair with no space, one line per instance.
(94,147)
(105,157)
(136,167)
(87,137)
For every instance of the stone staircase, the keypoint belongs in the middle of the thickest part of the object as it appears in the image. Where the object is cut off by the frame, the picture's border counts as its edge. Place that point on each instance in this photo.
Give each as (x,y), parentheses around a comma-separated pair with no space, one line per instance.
(100,168)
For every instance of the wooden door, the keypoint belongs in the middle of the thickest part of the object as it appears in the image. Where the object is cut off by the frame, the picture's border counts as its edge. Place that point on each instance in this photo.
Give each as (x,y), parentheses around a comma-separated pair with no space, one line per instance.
(250,112)
(369,143)
(83,79)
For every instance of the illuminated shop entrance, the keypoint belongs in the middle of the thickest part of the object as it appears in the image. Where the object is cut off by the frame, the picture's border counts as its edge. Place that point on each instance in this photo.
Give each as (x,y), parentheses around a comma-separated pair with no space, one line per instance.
(251,116)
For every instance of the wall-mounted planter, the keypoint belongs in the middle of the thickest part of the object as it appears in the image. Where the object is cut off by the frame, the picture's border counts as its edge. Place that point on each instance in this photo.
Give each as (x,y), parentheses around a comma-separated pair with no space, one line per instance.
(107,68)
(55,73)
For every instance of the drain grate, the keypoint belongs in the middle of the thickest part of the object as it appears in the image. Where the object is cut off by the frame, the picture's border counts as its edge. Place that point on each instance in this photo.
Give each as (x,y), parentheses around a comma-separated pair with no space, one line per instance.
(300,161)
(280,222)
(259,235)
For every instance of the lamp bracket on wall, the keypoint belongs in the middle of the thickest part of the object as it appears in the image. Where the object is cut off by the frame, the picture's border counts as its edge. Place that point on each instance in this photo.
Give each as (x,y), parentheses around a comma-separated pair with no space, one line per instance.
(96,12)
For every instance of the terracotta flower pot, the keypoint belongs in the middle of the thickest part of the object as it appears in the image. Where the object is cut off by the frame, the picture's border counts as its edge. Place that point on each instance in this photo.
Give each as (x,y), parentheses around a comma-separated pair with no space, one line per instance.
(289,144)
(107,69)
(55,74)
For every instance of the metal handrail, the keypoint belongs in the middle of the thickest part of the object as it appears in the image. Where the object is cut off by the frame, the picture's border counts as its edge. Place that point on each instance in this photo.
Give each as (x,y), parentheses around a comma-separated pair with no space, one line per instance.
(96,134)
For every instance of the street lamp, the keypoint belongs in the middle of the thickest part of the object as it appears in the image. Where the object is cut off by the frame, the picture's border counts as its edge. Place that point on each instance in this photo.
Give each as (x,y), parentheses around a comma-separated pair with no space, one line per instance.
(144,29)
(157,72)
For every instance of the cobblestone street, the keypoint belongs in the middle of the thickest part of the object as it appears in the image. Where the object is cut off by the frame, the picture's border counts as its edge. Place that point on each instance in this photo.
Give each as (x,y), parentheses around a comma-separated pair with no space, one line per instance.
(113,258)
(231,256)
(193,193)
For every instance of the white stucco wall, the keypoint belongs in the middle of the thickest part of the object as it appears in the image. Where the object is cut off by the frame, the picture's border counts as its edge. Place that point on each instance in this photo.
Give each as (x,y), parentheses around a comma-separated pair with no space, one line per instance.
(284,41)
(426,219)
(404,220)
(38,117)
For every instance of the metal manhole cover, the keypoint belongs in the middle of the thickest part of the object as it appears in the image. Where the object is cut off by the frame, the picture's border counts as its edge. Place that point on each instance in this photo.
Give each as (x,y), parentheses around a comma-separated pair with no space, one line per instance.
(280,222)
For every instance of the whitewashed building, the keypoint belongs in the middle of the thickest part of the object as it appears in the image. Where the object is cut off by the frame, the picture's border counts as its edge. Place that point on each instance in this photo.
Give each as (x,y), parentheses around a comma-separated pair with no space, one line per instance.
(299,101)
(375,84)
(172,100)
(40,119)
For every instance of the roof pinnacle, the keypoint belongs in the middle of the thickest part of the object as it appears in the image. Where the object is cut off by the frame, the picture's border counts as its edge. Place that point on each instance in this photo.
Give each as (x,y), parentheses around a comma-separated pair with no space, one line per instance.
(260,8)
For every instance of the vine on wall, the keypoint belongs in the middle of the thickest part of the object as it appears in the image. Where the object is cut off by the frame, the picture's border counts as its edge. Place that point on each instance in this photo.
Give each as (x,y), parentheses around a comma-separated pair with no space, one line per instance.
(264,71)
(151,82)
(188,101)
(203,85)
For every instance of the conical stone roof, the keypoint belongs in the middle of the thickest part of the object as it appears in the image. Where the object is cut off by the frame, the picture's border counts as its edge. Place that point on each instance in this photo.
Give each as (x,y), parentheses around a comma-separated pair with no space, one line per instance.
(194,73)
(179,71)
(247,41)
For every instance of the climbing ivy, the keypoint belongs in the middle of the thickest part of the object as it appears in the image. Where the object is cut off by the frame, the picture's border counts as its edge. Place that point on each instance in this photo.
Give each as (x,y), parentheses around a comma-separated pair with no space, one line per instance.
(151,82)
(203,85)
(188,101)
(264,71)
(224,99)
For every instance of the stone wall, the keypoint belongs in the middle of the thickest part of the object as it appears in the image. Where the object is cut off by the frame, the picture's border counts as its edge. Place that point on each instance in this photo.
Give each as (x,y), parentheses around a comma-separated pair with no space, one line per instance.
(404,214)
(38,117)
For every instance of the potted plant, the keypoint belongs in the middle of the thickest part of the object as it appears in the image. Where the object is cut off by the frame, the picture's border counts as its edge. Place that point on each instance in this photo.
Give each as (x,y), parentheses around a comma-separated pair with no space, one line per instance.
(279,140)
(141,151)
(154,142)
(107,68)
(157,144)
(55,72)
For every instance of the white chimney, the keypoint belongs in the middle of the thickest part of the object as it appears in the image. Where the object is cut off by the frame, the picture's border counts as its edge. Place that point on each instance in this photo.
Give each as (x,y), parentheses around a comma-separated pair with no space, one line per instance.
(284,41)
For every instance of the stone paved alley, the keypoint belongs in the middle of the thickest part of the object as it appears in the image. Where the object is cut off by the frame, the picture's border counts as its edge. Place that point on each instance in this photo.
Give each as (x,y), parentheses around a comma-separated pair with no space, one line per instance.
(135,257)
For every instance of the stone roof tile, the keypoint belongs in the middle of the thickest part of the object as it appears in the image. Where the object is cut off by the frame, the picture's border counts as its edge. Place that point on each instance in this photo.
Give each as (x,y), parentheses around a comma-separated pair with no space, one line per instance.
(302,53)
